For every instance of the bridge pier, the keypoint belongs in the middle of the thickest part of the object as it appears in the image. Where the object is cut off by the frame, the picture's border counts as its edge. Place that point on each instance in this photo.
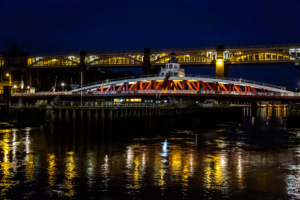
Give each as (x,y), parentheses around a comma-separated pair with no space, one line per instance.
(146,62)
(221,66)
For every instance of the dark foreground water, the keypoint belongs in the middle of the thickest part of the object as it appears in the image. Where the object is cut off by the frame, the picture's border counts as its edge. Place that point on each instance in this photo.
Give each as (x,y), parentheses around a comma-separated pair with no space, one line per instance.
(165,158)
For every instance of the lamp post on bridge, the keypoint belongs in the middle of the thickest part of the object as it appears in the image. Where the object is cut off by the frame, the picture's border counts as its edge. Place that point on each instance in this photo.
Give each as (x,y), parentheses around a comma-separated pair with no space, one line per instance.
(62,87)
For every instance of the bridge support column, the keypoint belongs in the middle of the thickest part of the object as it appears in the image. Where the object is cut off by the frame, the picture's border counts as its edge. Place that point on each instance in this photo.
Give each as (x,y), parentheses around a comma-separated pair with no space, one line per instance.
(150,112)
(146,62)
(67,115)
(59,115)
(74,115)
(126,113)
(89,115)
(221,66)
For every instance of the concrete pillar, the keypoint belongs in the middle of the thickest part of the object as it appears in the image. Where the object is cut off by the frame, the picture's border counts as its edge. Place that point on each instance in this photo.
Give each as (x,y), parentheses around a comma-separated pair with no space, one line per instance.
(59,115)
(102,114)
(67,115)
(96,115)
(81,114)
(138,112)
(74,115)
(126,113)
(121,112)
(89,115)
(149,112)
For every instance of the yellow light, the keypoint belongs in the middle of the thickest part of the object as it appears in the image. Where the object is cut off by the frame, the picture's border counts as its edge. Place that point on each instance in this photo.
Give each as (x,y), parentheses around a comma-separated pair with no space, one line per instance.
(127,99)
(15,86)
(7,74)
(219,62)
(180,75)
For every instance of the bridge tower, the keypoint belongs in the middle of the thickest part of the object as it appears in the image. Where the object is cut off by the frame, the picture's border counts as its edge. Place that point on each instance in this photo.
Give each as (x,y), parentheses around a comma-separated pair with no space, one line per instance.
(221,66)
(146,62)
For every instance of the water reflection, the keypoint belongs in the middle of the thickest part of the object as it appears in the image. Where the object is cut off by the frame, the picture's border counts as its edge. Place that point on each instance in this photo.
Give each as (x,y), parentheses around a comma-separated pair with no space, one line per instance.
(70,174)
(225,160)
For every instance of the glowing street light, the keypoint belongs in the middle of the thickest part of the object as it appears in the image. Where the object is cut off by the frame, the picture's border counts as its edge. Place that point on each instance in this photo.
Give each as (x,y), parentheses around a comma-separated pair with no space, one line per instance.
(62,87)
(15,88)
(9,76)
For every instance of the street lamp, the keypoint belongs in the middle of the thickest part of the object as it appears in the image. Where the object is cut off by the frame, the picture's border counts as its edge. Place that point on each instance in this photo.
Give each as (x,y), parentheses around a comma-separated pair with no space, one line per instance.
(15,88)
(28,88)
(9,76)
(62,87)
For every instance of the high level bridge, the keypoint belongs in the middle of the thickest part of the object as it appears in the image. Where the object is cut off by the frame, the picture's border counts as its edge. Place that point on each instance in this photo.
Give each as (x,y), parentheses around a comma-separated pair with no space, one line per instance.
(219,57)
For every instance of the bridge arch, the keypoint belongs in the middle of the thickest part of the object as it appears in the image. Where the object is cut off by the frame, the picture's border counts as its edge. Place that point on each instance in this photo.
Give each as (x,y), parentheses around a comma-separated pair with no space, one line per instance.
(259,52)
(178,55)
(115,56)
(56,61)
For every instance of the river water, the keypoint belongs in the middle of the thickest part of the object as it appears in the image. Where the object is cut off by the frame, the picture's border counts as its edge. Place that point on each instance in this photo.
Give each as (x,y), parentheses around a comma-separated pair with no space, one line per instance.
(164,158)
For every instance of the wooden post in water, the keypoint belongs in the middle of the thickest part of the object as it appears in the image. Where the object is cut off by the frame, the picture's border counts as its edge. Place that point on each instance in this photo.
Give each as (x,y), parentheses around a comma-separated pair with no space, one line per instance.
(110,114)
(89,115)
(96,115)
(74,115)
(81,114)
(67,115)
(102,114)
(59,115)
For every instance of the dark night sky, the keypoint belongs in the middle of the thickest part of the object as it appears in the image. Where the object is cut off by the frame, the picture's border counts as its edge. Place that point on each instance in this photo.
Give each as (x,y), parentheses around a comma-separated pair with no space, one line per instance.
(68,26)
(61,26)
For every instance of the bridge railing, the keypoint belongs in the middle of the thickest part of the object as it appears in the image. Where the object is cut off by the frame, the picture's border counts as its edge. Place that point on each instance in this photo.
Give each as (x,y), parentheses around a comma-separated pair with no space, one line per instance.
(154,92)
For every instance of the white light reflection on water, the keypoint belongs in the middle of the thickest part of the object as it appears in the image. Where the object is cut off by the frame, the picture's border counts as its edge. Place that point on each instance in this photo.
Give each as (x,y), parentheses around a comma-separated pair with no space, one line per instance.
(90,169)
(129,163)
(105,173)
(163,165)
(29,158)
